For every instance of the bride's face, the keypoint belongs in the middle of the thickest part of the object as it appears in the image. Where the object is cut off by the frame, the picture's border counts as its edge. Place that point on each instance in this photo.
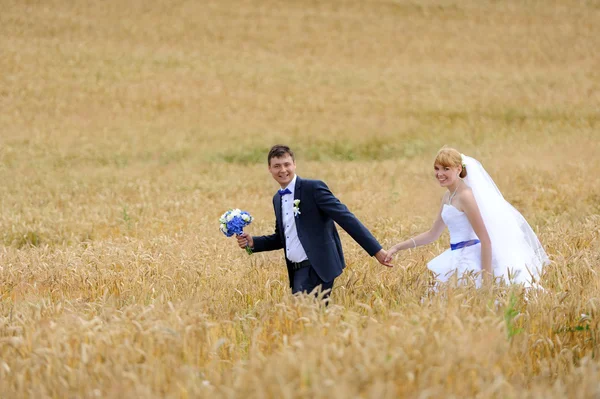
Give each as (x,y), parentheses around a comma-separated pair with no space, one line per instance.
(446,175)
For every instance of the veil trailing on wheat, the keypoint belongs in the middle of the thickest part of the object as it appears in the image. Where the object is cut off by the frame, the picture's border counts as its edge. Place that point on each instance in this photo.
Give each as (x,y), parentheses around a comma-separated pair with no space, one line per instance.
(517,254)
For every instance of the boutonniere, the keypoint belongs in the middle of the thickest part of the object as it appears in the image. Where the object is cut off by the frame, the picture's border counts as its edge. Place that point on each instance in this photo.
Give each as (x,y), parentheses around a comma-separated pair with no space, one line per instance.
(296,208)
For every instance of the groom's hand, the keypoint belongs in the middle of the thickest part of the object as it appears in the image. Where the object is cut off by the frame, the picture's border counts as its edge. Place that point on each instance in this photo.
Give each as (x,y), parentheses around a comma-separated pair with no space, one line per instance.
(390,254)
(382,258)
(245,240)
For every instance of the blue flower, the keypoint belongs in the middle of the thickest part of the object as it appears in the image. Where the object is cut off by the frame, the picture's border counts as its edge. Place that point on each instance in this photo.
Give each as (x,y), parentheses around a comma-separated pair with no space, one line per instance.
(233,222)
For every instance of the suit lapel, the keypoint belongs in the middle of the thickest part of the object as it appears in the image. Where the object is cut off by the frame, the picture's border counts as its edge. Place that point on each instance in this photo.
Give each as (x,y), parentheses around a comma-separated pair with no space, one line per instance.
(298,196)
(278,219)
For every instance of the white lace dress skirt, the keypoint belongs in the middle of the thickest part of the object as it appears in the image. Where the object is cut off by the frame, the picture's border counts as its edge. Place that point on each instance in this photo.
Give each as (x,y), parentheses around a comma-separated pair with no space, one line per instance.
(462,262)
(467,260)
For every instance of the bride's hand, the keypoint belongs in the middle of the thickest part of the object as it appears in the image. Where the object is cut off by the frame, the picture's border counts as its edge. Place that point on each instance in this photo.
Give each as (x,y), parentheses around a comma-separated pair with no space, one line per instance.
(488,279)
(390,254)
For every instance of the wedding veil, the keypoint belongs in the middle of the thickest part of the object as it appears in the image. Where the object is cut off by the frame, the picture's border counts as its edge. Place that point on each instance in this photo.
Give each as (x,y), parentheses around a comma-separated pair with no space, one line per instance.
(517,253)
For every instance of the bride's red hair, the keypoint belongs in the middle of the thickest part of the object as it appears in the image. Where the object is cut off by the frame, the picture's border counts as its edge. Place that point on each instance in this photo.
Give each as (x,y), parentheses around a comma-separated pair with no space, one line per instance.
(449,157)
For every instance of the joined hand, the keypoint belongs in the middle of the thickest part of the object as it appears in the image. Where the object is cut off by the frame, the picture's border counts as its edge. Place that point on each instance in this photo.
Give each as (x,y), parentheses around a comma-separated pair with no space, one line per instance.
(382,256)
(390,254)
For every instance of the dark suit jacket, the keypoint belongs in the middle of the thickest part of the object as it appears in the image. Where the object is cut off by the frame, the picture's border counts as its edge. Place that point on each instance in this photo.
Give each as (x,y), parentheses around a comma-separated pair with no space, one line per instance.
(319,209)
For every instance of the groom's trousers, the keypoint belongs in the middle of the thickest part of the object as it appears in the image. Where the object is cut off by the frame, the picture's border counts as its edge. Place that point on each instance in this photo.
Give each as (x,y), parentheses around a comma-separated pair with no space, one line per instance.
(306,280)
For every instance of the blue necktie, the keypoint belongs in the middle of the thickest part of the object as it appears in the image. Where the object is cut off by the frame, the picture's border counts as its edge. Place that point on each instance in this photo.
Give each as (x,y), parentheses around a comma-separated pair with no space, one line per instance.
(284,192)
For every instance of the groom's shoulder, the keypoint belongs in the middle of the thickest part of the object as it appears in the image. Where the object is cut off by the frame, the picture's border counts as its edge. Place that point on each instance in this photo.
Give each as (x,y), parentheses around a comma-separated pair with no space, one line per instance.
(313,183)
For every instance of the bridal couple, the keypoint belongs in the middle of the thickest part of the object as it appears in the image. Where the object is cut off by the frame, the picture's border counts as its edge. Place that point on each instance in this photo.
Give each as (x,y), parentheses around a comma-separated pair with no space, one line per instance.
(488,236)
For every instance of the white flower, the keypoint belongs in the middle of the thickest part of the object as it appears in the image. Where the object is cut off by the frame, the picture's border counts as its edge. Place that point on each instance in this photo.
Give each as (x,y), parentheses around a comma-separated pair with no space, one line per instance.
(223,218)
(463,158)
(246,218)
(296,208)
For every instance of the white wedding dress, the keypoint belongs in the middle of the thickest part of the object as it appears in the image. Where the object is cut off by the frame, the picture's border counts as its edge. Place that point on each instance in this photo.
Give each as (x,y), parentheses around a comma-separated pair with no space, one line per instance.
(517,255)
(462,260)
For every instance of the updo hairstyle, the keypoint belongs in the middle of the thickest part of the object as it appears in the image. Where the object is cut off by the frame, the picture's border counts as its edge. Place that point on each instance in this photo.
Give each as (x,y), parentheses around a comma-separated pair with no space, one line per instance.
(449,157)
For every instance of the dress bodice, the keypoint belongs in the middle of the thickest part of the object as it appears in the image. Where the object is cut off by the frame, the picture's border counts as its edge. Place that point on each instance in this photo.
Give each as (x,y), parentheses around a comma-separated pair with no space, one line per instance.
(458,224)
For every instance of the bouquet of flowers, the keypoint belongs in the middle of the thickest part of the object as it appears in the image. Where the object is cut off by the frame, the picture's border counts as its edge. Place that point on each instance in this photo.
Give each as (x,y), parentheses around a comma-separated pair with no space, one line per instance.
(233,222)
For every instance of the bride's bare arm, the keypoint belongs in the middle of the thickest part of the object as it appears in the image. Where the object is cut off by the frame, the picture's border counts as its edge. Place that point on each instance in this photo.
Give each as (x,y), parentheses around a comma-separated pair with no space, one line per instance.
(471,209)
(425,238)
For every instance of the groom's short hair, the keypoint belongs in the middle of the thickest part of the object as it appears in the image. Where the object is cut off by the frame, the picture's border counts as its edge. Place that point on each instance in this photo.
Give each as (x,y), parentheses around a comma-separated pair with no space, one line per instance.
(279,150)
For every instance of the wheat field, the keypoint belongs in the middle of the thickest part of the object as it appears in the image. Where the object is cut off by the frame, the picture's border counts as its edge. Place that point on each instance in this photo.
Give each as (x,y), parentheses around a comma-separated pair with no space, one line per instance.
(128,128)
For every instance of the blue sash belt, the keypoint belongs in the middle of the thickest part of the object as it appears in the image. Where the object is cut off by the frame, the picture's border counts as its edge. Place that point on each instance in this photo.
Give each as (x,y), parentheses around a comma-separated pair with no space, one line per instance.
(463,244)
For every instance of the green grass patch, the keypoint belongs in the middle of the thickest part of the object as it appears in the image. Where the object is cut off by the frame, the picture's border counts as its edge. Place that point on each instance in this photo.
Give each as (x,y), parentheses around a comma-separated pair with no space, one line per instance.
(376,149)
(23,239)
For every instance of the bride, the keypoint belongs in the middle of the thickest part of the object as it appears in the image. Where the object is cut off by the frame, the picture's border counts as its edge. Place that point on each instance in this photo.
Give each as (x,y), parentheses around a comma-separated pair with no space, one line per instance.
(488,235)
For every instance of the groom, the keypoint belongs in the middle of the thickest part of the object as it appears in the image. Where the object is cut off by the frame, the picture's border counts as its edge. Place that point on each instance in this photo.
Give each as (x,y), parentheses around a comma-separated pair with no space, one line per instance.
(305,212)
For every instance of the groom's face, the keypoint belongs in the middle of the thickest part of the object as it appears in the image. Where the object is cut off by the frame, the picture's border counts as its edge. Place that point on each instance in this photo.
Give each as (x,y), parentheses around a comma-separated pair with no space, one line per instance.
(283,169)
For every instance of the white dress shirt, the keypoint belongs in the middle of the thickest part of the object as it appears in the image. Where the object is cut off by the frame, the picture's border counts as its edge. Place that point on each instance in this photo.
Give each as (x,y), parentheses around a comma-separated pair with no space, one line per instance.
(293,248)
